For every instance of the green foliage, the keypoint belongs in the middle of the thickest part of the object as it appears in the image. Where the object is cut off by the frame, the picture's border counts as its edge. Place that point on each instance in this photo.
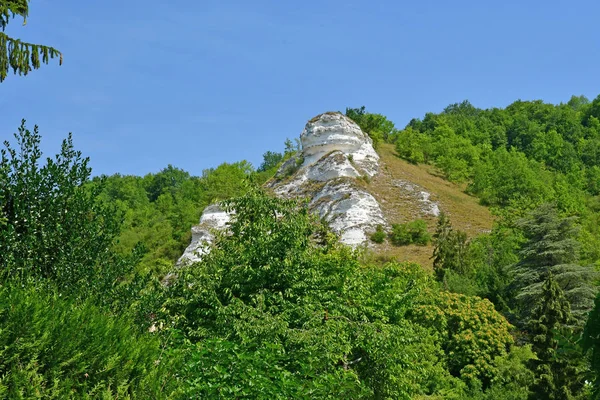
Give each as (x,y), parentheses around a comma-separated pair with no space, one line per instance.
(472,332)
(413,146)
(557,377)
(485,268)
(54,348)
(168,181)
(159,209)
(379,235)
(414,232)
(56,229)
(378,127)
(287,308)
(268,282)
(450,248)
(278,308)
(221,369)
(591,343)
(20,56)
(551,247)
(512,378)
(521,156)
(225,181)
(509,177)
(270,160)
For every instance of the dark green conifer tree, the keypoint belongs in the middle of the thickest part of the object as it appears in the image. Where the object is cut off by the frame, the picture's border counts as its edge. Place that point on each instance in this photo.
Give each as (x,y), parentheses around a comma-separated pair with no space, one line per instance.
(591,343)
(551,246)
(450,248)
(557,374)
(20,56)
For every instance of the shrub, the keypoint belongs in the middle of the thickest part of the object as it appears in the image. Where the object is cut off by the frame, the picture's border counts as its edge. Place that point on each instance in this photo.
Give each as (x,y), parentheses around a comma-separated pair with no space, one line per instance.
(53,348)
(400,235)
(55,227)
(414,232)
(379,235)
(472,331)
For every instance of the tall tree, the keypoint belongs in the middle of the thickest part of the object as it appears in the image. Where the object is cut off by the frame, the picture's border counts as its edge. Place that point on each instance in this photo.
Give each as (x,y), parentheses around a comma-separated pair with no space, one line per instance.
(450,248)
(20,56)
(591,343)
(551,247)
(53,227)
(557,376)
(376,126)
(271,159)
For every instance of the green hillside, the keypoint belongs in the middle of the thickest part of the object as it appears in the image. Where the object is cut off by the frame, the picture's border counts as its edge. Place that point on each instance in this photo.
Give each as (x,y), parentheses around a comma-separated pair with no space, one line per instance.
(494,298)
(402,206)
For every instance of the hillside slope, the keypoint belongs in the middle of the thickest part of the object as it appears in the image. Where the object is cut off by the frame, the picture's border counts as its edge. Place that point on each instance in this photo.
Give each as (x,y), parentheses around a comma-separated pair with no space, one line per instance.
(407,191)
(356,189)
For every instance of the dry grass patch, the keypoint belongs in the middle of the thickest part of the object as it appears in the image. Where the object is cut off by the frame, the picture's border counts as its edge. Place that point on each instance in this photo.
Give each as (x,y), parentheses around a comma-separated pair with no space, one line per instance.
(399,188)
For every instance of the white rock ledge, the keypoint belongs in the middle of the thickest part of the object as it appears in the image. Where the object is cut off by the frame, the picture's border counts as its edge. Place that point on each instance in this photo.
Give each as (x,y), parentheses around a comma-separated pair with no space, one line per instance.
(334,131)
(213,218)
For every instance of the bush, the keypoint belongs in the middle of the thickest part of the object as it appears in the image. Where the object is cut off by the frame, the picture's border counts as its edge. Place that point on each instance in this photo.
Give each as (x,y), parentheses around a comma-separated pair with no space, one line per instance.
(414,232)
(52,348)
(472,331)
(55,227)
(413,146)
(379,235)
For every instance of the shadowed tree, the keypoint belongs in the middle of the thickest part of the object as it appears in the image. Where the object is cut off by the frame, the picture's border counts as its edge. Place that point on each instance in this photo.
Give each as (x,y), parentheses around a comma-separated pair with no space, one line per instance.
(552,247)
(557,374)
(591,343)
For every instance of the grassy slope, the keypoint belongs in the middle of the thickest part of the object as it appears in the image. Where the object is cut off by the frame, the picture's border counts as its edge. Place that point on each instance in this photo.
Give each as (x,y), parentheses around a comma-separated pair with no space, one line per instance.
(400,205)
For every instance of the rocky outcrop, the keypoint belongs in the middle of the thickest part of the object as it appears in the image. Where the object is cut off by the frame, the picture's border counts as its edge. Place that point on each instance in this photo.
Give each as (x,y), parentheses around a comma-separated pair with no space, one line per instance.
(335,156)
(350,211)
(213,218)
(334,132)
(420,196)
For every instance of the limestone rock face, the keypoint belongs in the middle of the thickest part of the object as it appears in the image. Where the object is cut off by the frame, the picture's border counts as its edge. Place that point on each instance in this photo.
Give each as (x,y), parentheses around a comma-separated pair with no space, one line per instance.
(213,218)
(350,211)
(330,132)
(335,153)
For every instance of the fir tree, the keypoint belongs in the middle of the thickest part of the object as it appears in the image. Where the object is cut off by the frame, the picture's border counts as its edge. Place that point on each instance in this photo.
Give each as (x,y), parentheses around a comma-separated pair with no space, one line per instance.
(450,248)
(20,56)
(557,373)
(591,343)
(551,246)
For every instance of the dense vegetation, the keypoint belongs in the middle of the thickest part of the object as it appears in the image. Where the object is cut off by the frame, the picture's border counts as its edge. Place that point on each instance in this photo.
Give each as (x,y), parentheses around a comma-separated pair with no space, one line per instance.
(536,165)
(279,308)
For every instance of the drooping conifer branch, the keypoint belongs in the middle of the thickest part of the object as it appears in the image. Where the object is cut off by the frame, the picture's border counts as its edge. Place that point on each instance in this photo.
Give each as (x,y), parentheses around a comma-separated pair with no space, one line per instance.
(20,56)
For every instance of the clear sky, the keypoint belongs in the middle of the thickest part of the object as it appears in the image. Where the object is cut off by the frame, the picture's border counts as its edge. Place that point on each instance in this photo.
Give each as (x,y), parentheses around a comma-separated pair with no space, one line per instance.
(197,83)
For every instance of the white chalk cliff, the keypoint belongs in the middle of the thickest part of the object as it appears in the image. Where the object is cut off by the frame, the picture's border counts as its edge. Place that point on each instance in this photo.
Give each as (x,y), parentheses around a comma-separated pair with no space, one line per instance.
(213,218)
(335,156)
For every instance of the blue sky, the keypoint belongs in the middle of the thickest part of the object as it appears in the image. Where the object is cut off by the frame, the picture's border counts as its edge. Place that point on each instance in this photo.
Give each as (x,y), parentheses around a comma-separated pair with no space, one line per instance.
(198,83)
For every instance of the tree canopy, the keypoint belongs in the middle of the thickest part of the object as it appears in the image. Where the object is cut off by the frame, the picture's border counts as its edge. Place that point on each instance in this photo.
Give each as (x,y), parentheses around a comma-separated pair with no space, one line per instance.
(279,308)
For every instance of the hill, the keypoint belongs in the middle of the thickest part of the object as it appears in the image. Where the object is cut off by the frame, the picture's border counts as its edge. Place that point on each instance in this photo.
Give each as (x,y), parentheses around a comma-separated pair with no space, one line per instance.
(408,191)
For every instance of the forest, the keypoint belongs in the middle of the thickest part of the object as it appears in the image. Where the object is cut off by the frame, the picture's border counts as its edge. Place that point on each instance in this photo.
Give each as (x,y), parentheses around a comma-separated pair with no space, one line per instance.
(279,309)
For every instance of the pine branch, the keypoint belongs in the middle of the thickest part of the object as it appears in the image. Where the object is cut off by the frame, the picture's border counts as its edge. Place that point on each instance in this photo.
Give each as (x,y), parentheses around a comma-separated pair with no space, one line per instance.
(12,8)
(22,57)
